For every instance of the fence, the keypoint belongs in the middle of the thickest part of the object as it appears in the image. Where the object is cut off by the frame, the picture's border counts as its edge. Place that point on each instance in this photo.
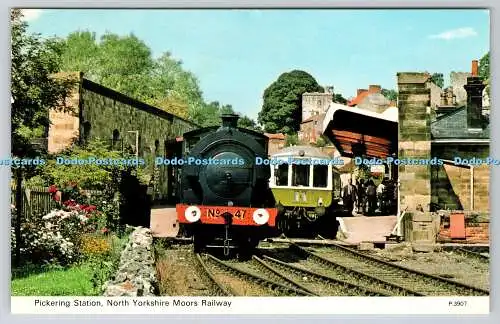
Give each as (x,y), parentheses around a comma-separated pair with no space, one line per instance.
(38,200)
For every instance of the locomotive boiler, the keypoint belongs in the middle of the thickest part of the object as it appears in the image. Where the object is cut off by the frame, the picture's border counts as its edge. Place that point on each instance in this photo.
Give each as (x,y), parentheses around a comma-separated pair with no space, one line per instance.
(225,199)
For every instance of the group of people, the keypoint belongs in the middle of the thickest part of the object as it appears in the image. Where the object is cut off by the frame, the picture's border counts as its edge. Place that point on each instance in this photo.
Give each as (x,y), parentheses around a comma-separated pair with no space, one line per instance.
(369,198)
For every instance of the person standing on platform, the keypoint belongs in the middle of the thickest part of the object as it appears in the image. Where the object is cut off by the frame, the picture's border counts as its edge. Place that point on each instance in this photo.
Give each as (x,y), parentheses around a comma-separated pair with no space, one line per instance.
(361,197)
(371,196)
(349,196)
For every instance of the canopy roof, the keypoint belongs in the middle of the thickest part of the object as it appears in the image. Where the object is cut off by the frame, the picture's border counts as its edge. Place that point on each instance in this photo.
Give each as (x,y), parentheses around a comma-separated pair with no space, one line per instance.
(370,133)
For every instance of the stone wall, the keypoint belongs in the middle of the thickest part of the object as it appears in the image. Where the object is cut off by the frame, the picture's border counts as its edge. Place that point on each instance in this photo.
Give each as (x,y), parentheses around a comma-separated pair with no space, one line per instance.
(457,82)
(64,128)
(109,115)
(315,103)
(451,184)
(435,94)
(414,139)
(136,275)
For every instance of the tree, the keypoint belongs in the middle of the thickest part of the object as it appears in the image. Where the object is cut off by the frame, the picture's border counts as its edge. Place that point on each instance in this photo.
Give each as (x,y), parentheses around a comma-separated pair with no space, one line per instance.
(438,79)
(338,98)
(484,66)
(484,71)
(33,92)
(281,110)
(391,94)
(247,122)
(80,54)
(209,114)
(291,140)
(125,64)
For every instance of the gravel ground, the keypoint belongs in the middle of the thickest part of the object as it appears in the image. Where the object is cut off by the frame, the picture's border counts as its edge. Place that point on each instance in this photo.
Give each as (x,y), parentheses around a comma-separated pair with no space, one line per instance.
(452,265)
(178,273)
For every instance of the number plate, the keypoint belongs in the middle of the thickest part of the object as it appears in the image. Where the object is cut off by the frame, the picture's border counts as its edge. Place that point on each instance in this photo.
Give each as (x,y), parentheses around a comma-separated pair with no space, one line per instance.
(216,212)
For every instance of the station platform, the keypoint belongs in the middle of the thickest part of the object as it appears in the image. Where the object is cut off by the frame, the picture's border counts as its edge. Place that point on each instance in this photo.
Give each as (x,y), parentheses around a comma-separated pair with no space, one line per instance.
(366,228)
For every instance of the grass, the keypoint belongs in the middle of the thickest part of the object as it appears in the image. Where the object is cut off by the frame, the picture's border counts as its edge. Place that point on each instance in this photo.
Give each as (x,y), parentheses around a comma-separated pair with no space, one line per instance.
(72,281)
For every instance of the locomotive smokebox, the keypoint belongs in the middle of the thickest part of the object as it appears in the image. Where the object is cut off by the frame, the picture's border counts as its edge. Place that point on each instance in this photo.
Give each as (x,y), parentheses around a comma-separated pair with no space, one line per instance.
(229,120)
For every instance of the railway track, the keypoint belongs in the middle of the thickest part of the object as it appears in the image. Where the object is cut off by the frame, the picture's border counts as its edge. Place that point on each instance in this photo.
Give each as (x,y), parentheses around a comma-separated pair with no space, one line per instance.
(406,278)
(473,254)
(306,260)
(239,282)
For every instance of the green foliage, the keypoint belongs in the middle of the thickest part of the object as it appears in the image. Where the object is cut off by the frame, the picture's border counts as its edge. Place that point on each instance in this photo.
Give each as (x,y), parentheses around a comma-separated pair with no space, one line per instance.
(125,64)
(321,141)
(282,108)
(438,79)
(88,176)
(247,122)
(50,280)
(484,66)
(484,71)
(33,90)
(391,94)
(105,263)
(291,139)
(362,172)
(80,279)
(338,98)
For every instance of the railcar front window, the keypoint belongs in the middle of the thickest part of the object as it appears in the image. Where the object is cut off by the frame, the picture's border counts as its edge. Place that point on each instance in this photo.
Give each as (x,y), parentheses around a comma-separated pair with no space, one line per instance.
(320,176)
(281,175)
(300,175)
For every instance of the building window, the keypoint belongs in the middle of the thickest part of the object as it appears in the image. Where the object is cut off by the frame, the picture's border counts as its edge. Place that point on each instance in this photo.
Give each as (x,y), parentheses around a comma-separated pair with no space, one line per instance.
(157,146)
(86,131)
(116,138)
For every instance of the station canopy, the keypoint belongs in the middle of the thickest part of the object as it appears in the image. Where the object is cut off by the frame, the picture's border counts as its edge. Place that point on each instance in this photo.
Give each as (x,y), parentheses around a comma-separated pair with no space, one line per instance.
(355,131)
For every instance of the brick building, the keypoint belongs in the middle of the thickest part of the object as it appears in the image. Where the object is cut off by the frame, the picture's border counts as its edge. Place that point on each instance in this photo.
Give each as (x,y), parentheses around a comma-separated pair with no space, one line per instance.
(276,142)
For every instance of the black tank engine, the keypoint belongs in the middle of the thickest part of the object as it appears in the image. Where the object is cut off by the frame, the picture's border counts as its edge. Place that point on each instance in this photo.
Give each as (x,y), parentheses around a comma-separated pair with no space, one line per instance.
(225,199)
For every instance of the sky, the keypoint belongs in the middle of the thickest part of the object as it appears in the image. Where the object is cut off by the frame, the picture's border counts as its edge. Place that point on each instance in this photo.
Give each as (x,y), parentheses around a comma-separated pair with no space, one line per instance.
(237,54)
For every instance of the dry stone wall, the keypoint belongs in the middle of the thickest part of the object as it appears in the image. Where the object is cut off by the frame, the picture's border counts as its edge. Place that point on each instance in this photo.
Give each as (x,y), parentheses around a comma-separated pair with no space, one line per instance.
(136,275)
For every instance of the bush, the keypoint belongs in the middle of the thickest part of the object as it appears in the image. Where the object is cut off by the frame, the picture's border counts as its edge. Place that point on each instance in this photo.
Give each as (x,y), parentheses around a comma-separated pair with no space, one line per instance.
(56,237)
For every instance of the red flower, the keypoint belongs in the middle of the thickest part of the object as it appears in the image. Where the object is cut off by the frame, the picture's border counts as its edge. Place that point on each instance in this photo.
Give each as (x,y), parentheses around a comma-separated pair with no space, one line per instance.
(53,189)
(69,203)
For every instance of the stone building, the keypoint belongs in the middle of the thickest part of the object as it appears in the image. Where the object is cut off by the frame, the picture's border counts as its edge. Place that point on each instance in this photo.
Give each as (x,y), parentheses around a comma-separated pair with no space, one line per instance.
(311,129)
(316,103)
(122,122)
(462,132)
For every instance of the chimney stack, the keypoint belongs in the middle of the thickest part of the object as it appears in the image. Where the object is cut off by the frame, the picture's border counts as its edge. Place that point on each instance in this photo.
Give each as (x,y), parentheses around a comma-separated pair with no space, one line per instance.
(374,88)
(475,68)
(360,91)
(474,88)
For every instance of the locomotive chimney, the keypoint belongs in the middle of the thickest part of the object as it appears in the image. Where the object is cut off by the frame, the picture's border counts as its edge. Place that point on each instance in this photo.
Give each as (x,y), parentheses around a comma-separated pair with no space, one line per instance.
(229,120)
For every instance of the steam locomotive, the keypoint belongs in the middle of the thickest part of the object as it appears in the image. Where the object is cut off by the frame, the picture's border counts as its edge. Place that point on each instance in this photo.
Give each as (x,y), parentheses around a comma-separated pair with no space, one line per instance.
(225,199)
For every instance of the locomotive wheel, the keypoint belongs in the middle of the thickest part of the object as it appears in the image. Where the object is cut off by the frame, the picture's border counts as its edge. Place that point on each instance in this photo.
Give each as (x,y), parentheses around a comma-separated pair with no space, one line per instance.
(199,243)
(246,248)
